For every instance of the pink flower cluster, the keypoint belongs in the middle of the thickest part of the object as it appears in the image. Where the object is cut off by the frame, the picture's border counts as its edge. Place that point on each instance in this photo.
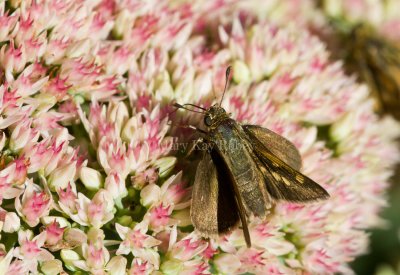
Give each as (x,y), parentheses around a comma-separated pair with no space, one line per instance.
(89,177)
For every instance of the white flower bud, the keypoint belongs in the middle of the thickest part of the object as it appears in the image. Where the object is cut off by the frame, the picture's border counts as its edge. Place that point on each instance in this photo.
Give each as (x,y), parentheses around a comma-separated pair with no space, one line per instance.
(118,114)
(123,23)
(171,267)
(117,265)
(11,222)
(52,267)
(69,257)
(241,73)
(150,194)
(91,178)
(165,165)
(61,176)
(342,128)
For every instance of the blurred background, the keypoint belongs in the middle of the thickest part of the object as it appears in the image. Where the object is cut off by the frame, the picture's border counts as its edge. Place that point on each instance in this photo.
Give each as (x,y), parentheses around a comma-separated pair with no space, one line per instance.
(384,254)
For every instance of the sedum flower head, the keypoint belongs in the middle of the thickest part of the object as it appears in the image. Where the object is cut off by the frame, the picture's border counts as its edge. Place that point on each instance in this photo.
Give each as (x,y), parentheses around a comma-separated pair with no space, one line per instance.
(92,178)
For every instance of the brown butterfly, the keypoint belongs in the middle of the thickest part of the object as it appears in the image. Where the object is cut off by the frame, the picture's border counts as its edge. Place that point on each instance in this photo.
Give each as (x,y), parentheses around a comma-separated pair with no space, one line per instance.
(244,169)
(377,61)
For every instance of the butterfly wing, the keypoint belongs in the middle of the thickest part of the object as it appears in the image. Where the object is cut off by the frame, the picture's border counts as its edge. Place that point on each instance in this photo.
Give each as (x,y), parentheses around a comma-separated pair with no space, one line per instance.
(278,145)
(282,181)
(214,209)
(377,61)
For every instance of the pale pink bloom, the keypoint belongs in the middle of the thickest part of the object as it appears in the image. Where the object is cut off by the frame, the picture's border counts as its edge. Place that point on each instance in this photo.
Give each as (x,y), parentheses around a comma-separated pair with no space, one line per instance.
(57,87)
(79,72)
(7,23)
(35,204)
(118,113)
(267,236)
(137,242)
(101,26)
(16,171)
(5,258)
(23,135)
(256,261)
(48,122)
(54,233)
(30,249)
(113,157)
(96,257)
(146,177)
(117,58)
(10,105)
(35,47)
(67,199)
(159,217)
(140,267)
(56,48)
(149,128)
(227,263)
(138,157)
(62,236)
(26,28)
(18,267)
(181,255)
(186,248)
(115,185)
(171,192)
(13,59)
(7,191)
(95,212)
(41,152)
(27,83)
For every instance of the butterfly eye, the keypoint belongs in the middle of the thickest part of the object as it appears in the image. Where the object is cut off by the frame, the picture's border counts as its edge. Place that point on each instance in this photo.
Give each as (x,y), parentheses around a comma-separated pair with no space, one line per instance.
(207,120)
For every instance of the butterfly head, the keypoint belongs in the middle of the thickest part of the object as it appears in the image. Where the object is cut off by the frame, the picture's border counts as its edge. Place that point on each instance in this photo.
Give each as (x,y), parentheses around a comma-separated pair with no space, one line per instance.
(214,116)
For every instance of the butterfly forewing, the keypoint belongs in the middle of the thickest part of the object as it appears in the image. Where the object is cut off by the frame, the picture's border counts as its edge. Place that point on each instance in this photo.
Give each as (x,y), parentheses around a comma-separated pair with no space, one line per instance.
(214,208)
(282,181)
(278,145)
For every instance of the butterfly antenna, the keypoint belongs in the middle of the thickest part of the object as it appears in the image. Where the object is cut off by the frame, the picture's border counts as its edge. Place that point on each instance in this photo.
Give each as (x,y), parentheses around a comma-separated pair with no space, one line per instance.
(179,106)
(227,76)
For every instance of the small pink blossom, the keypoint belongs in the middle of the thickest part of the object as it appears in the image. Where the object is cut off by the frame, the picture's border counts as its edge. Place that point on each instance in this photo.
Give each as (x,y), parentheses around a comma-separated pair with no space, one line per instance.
(13,59)
(67,198)
(95,212)
(7,24)
(140,267)
(30,249)
(159,217)
(54,233)
(139,243)
(23,135)
(115,185)
(35,204)
(16,171)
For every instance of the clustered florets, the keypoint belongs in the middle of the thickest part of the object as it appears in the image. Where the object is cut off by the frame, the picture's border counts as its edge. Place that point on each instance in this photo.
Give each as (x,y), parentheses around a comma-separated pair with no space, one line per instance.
(88,177)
